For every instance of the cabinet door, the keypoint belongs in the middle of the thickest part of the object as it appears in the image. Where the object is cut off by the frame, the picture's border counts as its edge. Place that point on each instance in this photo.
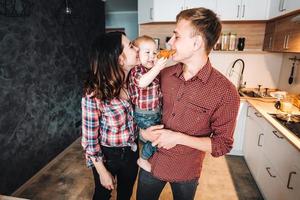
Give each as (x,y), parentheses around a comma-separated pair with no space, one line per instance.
(210,4)
(275,8)
(269,36)
(145,11)
(229,9)
(269,182)
(290,5)
(253,144)
(254,10)
(282,34)
(166,10)
(293,40)
(292,187)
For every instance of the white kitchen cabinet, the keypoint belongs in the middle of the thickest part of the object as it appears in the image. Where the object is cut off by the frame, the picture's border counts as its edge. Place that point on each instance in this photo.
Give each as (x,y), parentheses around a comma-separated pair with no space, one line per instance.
(158,11)
(254,139)
(232,10)
(285,160)
(210,4)
(166,10)
(281,7)
(272,160)
(239,131)
(269,182)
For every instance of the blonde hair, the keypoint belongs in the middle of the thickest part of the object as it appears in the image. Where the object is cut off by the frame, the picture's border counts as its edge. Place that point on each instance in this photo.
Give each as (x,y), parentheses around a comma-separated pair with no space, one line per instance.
(205,22)
(143,38)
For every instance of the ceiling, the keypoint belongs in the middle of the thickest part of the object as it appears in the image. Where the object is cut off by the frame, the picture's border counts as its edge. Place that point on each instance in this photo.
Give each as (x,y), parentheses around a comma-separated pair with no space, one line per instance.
(120,5)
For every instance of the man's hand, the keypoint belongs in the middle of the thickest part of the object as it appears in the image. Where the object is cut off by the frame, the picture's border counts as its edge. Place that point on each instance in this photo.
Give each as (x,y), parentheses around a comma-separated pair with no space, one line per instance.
(150,133)
(167,139)
(107,180)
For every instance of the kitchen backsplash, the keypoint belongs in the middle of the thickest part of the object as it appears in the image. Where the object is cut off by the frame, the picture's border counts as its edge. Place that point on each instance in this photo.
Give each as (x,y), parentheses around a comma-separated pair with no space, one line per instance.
(286,72)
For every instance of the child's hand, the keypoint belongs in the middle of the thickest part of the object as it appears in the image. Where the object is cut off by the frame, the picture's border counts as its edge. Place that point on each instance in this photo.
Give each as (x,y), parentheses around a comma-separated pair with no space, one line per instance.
(161,63)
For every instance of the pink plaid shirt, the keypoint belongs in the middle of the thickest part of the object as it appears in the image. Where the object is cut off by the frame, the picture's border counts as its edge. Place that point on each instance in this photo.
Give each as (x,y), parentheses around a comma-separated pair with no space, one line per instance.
(109,123)
(147,98)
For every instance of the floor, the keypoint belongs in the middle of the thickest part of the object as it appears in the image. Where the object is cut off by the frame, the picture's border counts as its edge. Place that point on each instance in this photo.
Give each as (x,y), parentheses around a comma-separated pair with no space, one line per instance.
(67,178)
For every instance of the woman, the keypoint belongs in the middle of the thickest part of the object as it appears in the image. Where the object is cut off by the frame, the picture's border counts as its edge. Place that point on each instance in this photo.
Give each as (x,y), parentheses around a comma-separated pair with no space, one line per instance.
(108,131)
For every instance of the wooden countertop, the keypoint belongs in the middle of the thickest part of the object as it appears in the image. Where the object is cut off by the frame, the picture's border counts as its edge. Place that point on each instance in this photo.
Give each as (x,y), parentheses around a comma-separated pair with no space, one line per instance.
(268,107)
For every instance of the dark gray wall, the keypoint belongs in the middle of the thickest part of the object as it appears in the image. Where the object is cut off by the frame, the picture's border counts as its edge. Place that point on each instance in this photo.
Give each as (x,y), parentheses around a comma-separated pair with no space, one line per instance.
(41,68)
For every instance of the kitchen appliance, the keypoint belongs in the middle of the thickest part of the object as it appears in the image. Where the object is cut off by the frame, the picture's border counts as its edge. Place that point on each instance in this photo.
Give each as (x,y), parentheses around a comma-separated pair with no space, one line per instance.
(292,122)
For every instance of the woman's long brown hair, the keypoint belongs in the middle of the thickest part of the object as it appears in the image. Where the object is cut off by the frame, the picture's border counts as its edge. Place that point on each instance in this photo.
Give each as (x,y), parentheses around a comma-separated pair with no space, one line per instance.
(106,77)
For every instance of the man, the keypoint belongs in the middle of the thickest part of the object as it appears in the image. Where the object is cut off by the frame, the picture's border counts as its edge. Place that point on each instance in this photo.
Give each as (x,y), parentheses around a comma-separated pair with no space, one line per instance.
(199,110)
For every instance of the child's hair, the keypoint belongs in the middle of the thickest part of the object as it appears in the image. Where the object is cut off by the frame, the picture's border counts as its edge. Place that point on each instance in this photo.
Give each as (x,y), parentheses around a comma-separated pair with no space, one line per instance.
(143,38)
(106,77)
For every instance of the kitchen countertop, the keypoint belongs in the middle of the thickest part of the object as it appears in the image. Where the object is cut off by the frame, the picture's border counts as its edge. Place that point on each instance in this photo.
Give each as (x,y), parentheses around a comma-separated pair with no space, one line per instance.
(265,107)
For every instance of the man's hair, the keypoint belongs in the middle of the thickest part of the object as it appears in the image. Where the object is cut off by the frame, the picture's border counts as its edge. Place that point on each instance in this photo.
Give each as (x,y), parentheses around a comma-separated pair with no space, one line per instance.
(143,38)
(205,22)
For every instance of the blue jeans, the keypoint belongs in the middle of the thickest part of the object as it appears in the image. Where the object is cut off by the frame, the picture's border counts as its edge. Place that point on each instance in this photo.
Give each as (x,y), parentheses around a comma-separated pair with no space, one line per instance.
(145,119)
(150,187)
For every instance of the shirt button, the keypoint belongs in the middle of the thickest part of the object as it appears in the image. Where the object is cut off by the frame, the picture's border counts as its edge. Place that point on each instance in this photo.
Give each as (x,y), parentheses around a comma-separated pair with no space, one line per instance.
(173,114)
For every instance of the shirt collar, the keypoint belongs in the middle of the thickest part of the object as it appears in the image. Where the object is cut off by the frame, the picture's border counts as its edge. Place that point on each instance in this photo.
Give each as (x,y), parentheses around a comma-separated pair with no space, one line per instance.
(202,75)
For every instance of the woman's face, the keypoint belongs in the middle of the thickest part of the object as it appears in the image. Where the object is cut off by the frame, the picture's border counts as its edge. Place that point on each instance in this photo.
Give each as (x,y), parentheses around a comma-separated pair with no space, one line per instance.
(129,57)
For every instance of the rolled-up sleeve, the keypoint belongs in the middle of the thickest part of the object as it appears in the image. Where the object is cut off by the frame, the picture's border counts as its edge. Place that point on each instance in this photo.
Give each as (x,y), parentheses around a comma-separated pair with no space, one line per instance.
(223,123)
(90,130)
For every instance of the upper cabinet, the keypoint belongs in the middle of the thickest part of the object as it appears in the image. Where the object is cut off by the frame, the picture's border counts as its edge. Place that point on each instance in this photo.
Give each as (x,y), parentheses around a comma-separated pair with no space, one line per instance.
(283,35)
(281,7)
(166,10)
(232,10)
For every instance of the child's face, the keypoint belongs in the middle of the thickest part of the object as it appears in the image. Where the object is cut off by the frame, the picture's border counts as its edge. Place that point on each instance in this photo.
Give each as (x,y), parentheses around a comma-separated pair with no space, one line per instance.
(147,53)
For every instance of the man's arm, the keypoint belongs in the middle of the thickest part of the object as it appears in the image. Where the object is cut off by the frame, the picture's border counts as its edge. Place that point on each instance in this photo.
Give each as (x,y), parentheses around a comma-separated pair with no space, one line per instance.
(168,139)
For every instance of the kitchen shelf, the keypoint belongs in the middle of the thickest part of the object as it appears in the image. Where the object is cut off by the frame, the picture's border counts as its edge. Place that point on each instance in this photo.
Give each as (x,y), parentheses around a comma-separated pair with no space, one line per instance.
(254,51)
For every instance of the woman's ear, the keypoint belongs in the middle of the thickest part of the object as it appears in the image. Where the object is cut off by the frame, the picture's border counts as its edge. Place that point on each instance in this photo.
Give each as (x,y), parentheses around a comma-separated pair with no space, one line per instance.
(122,59)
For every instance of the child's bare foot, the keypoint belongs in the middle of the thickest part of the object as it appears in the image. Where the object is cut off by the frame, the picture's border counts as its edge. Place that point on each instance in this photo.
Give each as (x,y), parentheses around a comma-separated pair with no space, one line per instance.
(144,164)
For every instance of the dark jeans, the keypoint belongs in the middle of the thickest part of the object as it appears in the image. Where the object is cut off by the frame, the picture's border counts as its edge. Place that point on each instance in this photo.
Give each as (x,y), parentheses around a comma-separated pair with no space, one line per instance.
(145,119)
(149,188)
(121,163)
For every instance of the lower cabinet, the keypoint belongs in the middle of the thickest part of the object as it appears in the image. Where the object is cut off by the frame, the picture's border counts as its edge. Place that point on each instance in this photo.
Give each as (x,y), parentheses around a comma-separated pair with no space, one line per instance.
(272,160)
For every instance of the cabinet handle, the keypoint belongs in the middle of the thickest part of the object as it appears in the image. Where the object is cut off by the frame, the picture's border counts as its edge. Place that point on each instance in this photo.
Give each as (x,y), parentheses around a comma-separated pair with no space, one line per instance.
(151,13)
(258,114)
(289,180)
(284,42)
(258,142)
(247,114)
(278,136)
(268,170)
(287,42)
(270,42)
(238,12)
(243,15)
(282,5)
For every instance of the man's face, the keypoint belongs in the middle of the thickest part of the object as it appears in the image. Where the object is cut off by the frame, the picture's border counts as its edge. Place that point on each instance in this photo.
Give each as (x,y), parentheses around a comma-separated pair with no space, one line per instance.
(183,40)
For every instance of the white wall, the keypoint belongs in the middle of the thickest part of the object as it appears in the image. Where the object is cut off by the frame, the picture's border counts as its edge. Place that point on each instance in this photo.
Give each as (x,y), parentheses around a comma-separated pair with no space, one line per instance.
(123,19)
(285,74)
(260,68)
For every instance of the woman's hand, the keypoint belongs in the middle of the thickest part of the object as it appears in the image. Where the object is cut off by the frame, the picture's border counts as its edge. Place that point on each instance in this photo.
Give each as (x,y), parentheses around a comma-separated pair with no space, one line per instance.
(151,134)
(107,180)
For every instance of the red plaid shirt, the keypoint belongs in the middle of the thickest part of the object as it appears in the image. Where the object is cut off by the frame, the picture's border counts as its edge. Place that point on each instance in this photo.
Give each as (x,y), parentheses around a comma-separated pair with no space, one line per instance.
(108,123)
(147,98)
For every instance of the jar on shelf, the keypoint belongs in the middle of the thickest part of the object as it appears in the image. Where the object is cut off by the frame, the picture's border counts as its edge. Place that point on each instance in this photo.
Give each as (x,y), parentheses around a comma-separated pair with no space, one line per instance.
(224,41)
(232,42)
(217,46)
